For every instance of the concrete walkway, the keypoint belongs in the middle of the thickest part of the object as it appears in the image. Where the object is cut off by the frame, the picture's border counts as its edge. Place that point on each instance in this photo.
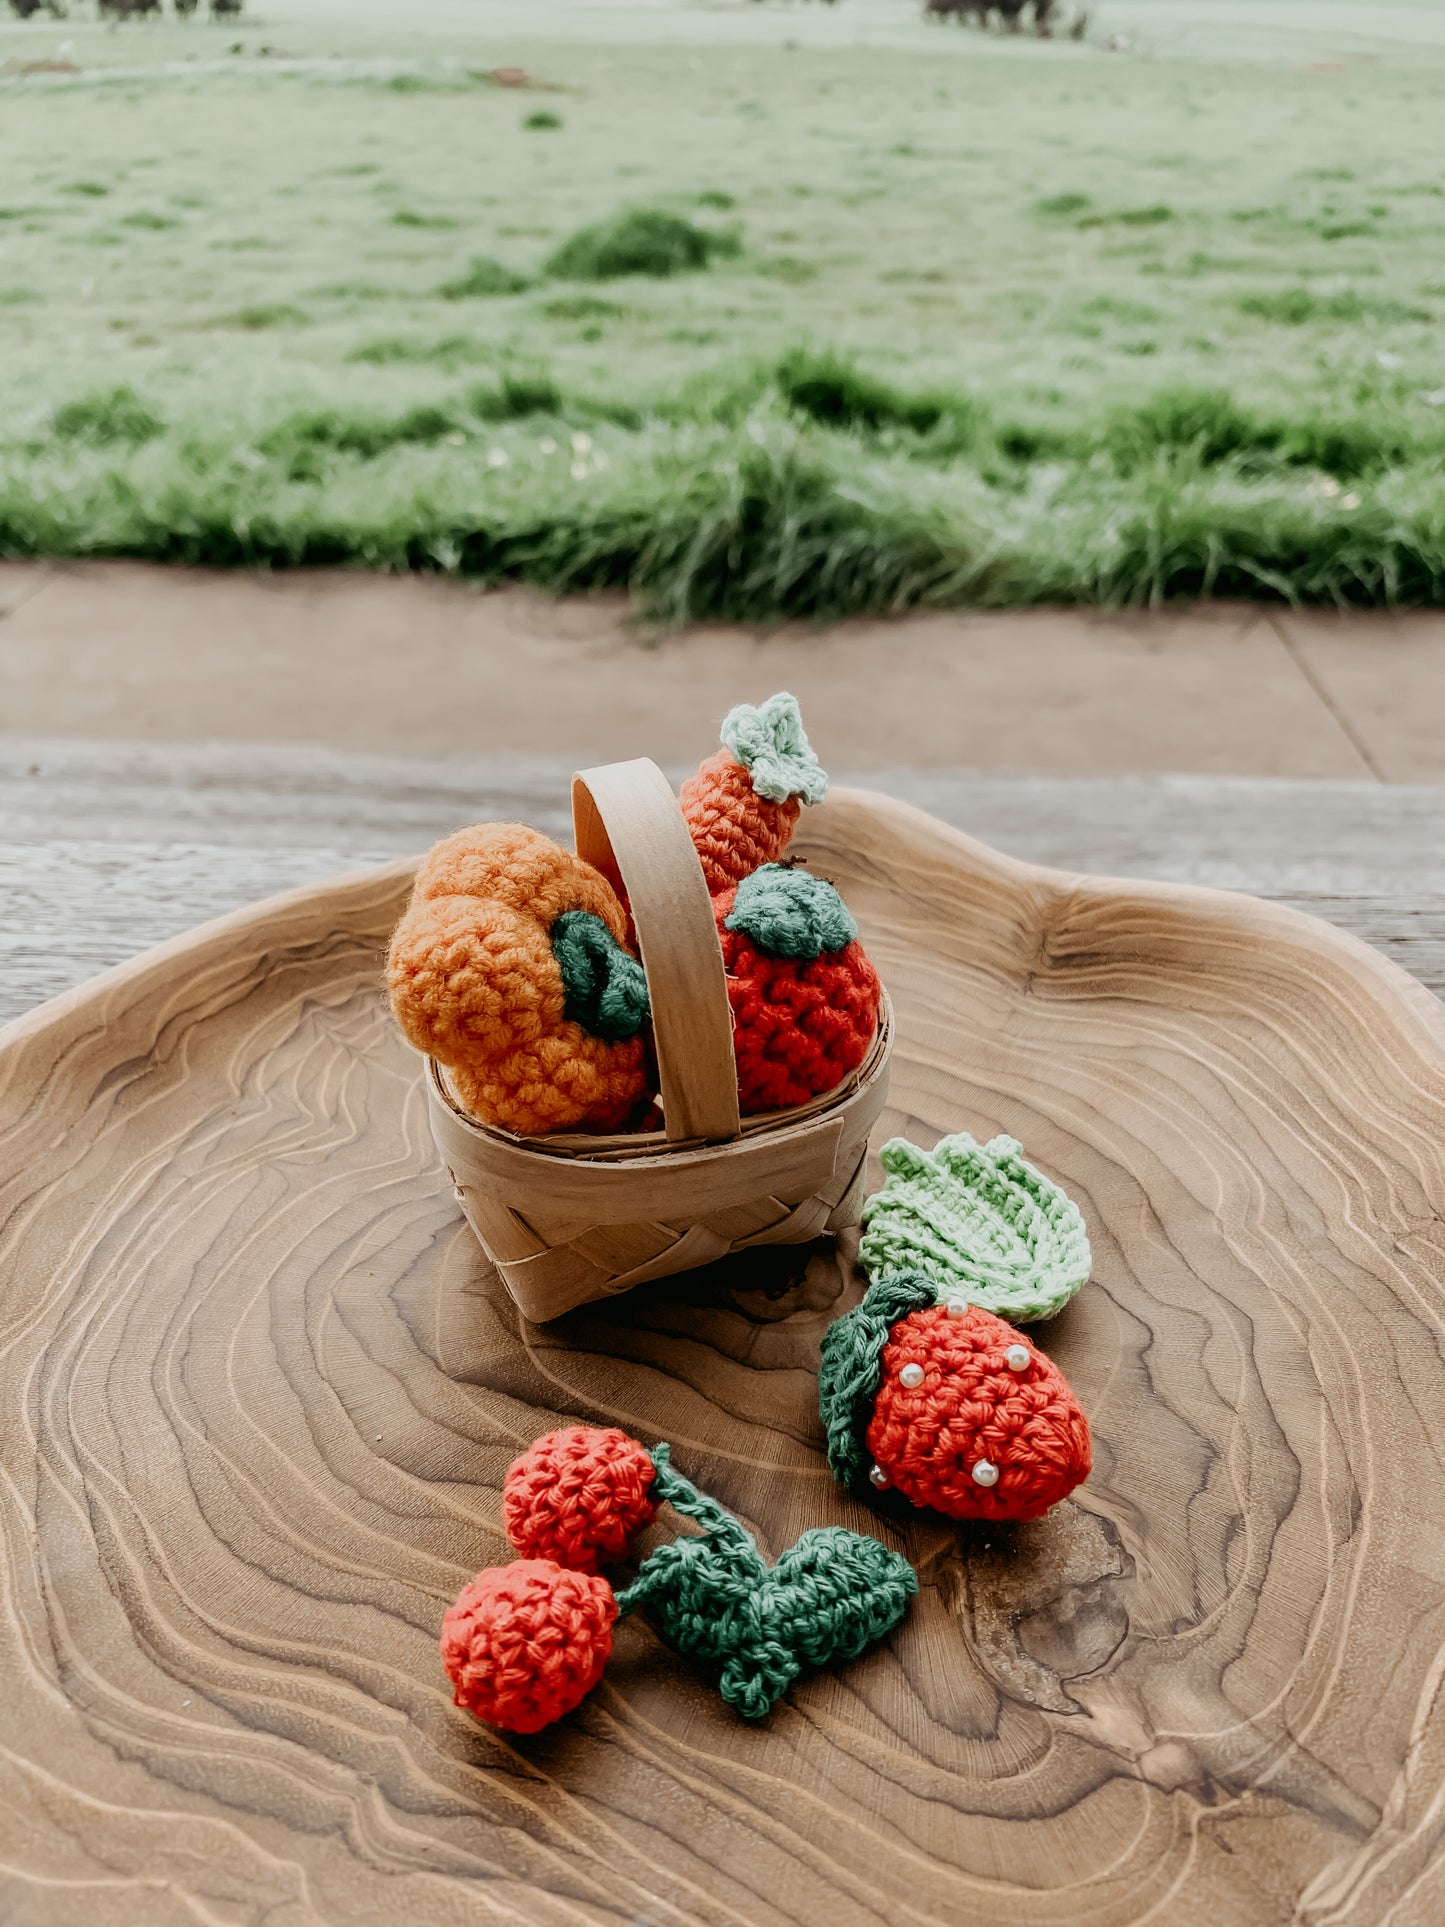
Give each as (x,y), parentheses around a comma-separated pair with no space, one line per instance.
(414,665)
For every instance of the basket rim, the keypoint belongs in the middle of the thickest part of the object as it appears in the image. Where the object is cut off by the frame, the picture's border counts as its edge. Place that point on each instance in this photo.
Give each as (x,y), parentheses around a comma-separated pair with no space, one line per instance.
(615,1147)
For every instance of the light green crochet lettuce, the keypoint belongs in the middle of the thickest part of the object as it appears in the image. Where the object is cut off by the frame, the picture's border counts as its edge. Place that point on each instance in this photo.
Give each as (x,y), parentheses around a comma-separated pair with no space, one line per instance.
(978,1223)
(772,745)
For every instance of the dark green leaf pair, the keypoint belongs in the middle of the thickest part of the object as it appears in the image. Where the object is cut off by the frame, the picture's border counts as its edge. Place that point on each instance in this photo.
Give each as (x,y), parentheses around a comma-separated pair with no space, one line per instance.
(832,1594)
(605,987)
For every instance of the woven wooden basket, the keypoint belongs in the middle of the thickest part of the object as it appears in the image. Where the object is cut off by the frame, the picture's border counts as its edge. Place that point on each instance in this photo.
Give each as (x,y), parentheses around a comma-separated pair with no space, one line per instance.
(568,1218)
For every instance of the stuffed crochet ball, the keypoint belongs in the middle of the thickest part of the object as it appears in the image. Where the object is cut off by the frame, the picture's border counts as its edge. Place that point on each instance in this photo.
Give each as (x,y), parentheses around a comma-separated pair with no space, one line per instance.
(526,1643)
(579,1496)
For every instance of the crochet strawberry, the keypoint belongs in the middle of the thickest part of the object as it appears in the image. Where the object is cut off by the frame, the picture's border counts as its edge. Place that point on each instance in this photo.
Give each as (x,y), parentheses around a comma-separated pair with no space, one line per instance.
(924,1386)
(511,967)
(948,1405)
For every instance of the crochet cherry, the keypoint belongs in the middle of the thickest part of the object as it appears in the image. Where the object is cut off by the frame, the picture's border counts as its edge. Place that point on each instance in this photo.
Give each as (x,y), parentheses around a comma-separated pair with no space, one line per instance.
(526,1643)
(580,1496)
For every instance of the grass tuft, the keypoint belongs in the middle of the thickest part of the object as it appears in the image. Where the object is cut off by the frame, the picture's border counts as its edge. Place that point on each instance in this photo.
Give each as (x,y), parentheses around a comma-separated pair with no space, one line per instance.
(484,280)
(832,390)
(515,397)
(1299,307)
(1058,207)
(260,315)
(640,240)
(112,416)
(408,217)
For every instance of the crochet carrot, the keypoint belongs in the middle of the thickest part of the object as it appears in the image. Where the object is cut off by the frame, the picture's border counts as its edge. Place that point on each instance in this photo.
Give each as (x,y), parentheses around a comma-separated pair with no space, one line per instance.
(511,968)
(525,1643)
(744,802)
(924,1386)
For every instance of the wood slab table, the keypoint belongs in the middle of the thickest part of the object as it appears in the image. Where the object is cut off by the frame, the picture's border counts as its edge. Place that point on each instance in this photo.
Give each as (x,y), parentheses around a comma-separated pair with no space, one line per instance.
(257,1388)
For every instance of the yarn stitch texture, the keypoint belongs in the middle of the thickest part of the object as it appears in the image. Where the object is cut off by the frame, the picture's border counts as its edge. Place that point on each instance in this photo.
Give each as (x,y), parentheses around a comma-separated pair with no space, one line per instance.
(830,1595)
(475,983)
(981,1223)
(604,986)
(790,913)
(800,1026)
(743,804)
(526,1643)
(771,743)
(968,1407)
(580,1496)
(971,1407)
(850,1369)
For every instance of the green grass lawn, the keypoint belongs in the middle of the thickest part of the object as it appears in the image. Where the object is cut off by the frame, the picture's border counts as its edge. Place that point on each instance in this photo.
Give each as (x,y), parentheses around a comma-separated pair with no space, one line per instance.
(966,318)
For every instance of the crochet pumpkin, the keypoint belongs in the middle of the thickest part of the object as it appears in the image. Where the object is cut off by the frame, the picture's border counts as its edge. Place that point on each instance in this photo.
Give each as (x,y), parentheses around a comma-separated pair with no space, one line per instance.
(511,967)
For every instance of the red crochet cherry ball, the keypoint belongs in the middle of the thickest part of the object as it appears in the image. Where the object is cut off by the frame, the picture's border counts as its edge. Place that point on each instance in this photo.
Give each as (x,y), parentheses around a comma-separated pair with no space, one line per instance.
(804,996)
(526,1643)
(579,1496)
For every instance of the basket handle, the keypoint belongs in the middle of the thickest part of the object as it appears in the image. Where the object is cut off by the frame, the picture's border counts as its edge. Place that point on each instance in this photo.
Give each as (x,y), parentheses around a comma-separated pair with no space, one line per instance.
(629,827)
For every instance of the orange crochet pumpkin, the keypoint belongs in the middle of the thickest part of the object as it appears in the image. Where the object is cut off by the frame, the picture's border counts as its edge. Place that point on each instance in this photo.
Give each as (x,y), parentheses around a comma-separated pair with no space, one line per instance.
(511,968)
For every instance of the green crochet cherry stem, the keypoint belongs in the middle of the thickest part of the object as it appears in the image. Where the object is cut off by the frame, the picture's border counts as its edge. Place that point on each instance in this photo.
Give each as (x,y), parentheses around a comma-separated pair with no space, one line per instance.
(980,1223)
(830,1595)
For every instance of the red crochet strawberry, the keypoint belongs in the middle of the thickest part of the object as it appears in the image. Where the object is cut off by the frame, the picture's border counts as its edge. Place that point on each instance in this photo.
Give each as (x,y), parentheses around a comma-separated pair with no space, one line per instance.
(948,1405)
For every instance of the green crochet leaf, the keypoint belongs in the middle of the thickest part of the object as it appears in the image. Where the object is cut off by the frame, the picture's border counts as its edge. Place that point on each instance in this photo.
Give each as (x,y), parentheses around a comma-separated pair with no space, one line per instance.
(830,1595)
(605,988)
(789,913)
(851,1370)
(979,1223)
(772,743)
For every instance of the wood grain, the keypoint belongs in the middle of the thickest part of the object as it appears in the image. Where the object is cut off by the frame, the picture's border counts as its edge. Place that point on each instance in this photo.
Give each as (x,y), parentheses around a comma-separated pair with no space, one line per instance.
(258,1389)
